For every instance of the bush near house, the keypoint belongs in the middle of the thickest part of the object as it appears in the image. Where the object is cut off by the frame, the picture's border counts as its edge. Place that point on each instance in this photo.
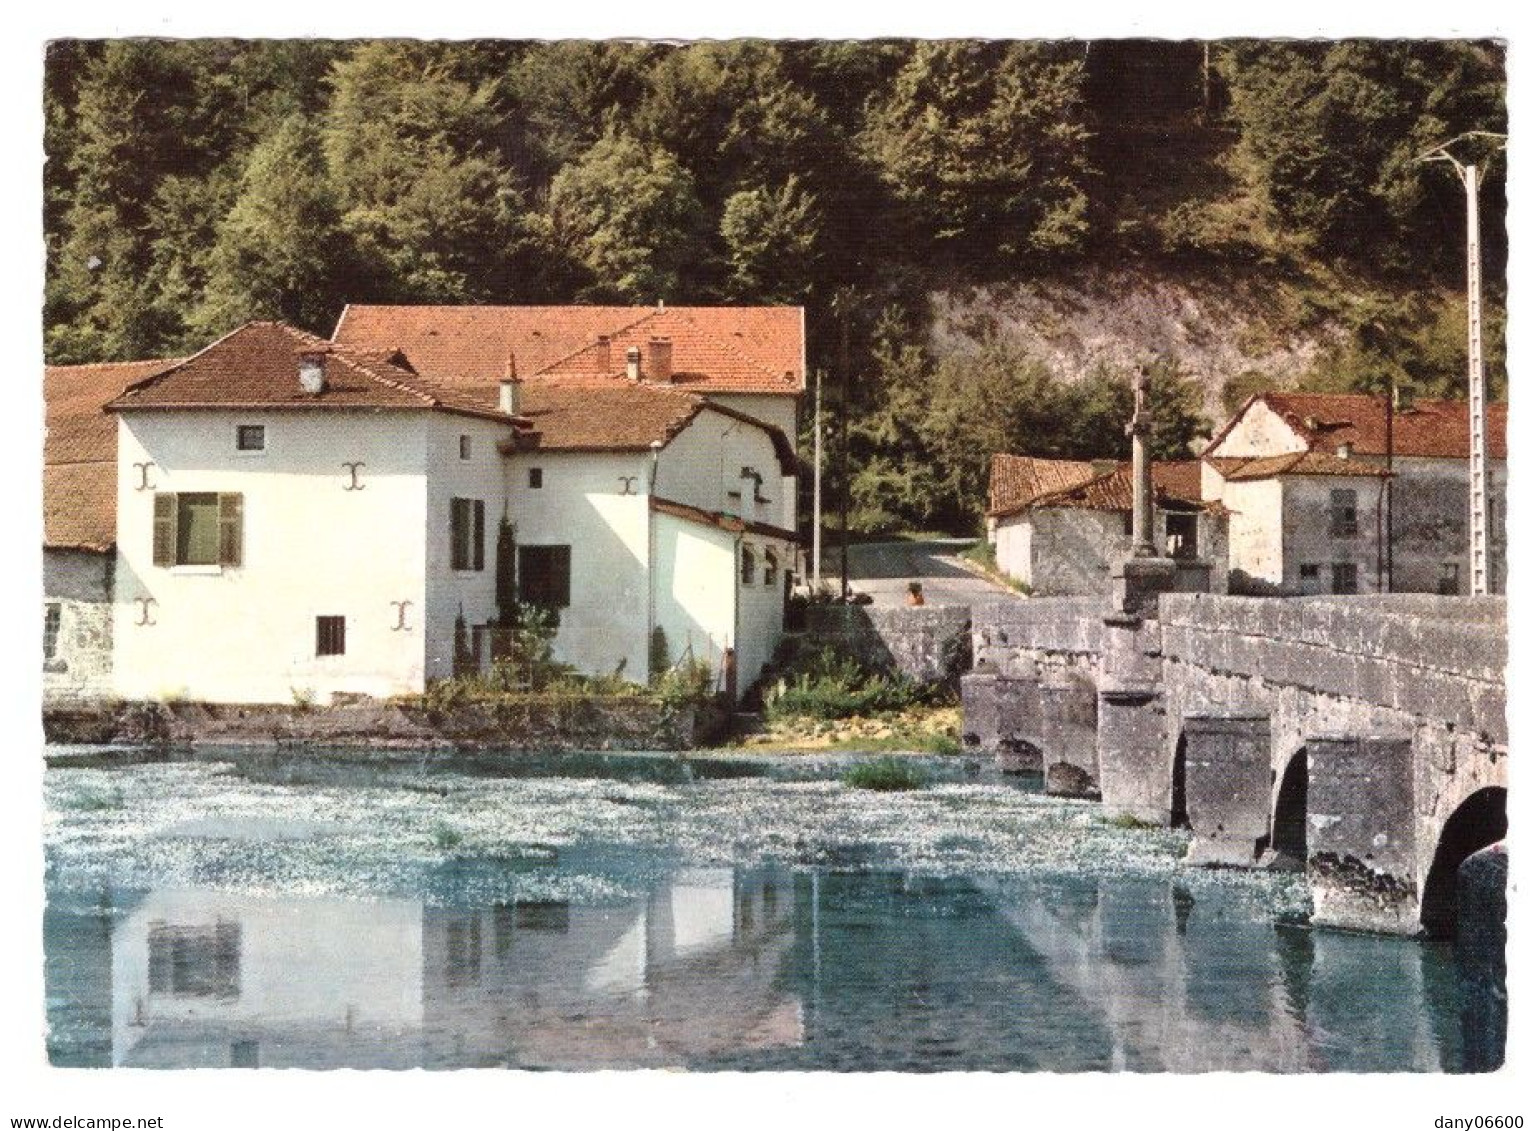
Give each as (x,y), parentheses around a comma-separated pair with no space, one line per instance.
(818,681)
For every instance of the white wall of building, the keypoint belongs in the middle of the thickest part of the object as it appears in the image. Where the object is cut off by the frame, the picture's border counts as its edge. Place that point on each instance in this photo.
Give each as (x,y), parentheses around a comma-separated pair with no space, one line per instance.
(777,409)
(695,588)
(1260,432)
(703,463)
(481,476)
(1255,532)
(311,548)
(761,605)
(582,504)
(1014,539)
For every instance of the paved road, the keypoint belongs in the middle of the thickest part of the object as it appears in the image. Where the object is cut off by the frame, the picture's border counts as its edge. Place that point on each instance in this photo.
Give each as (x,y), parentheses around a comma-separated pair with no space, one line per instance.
(883,570)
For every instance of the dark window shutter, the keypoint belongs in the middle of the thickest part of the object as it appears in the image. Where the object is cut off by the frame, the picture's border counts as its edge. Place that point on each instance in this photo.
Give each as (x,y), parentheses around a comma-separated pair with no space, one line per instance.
(165,528)
(459,533)
(231,533)
(479,534)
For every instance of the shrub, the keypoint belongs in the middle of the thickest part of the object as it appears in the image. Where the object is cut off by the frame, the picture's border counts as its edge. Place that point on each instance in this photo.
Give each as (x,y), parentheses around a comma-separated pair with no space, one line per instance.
(823,683)
(691,681)
(885,775)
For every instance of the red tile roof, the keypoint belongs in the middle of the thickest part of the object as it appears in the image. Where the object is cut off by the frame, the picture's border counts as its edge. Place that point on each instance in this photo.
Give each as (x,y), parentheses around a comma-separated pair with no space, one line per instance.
(1016,481)
(718,349)
(1425,428)
(589,416)
(1172,481)
(730,522)
(80,451)
(598,415)
(256,366)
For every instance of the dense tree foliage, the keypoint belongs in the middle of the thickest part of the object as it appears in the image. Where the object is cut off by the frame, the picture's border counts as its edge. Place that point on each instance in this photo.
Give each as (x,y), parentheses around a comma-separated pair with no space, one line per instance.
(193,185)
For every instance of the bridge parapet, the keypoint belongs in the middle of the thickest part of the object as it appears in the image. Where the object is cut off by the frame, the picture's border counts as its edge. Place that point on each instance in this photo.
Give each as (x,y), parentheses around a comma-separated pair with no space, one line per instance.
(1433,667)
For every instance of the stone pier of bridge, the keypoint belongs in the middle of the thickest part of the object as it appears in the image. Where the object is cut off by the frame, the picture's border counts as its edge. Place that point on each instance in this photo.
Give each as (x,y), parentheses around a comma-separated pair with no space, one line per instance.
(1363,739)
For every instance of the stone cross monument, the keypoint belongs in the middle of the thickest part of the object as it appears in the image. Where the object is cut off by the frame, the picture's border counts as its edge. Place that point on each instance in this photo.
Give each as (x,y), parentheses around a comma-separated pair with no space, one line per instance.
(1139,431)
(1145,574)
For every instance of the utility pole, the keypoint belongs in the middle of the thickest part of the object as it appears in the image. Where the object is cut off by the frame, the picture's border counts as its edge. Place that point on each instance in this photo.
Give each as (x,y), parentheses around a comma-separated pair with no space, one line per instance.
(1478,381)
(1475,374)
(815,506)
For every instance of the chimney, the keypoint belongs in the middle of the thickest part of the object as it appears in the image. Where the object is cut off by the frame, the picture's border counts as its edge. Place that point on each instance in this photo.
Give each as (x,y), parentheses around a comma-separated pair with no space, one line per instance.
(661,359)
(1346,449)
(632,362)
(604,353)
(311,370)
(511,396)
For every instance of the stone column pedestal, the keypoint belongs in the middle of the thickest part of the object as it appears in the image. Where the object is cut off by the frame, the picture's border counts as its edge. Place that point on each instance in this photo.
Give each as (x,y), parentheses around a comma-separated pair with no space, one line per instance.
(1360,851)
(1068,716)
(1226,788)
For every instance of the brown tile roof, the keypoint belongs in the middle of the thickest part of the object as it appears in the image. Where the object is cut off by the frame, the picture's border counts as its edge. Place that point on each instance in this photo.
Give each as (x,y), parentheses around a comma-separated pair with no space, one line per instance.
(1172,481)
(1424,428)
(256,366)
(591,416)
(715,349)
(80,451)
(1016,481)
(730,522)
(598,415)
(1294,463)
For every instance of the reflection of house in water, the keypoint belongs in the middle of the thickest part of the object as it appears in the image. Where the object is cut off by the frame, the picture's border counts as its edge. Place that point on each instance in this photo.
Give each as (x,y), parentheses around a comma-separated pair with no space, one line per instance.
(205,979)
(689,971)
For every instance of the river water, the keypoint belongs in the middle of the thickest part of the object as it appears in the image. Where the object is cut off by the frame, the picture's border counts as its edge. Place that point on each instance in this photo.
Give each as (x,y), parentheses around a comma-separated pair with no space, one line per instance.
(323,910)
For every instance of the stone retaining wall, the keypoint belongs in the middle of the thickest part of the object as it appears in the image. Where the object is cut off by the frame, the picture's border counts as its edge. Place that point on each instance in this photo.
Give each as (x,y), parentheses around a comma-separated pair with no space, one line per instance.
(926,643)
(554,723)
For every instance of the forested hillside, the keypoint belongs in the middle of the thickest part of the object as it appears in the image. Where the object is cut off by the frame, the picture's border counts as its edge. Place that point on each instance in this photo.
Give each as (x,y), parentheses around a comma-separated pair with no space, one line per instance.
(987,235)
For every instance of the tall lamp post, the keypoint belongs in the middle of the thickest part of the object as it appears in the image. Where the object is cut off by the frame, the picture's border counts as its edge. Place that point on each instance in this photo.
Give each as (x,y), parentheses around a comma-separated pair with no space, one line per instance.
(1476,376)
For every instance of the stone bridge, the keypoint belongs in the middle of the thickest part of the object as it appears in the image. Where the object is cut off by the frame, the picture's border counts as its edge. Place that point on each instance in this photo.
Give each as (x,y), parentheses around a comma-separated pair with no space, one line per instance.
(1363,738)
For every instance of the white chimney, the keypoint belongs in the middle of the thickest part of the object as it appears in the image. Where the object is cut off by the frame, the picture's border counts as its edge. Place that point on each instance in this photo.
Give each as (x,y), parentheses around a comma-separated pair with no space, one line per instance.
(1345,449)
(511,387)
(632,362)
(311,372)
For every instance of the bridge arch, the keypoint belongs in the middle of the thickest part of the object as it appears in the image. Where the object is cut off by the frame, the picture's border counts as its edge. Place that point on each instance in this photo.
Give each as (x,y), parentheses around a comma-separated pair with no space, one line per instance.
(1288,829)
(1178,808)
(1480,820)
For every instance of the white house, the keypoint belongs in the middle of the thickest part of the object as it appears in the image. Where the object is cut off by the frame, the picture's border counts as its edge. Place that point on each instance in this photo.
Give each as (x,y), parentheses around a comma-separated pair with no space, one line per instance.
(1060,526)
(1315,483)
(298,518)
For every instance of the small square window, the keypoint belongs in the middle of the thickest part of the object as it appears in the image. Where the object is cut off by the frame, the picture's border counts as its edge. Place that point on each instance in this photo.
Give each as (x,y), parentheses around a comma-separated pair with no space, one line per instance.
(250,438)
(535,478)
(1310,572)
(465,446)
(330,636)
(1345,577)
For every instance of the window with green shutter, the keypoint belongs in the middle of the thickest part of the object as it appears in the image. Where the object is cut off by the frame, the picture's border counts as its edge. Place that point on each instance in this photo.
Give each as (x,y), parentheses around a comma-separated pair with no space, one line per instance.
(467,532)
(198,528)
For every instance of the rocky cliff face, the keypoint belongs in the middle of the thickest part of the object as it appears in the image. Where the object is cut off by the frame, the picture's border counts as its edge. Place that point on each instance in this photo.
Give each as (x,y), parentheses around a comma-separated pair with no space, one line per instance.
(1228,331)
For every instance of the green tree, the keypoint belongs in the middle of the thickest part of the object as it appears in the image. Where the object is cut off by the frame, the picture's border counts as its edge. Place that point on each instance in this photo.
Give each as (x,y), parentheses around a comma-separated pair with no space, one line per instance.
(985,144)
(627,218)
(421,186)
(770,240)
(280,253)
